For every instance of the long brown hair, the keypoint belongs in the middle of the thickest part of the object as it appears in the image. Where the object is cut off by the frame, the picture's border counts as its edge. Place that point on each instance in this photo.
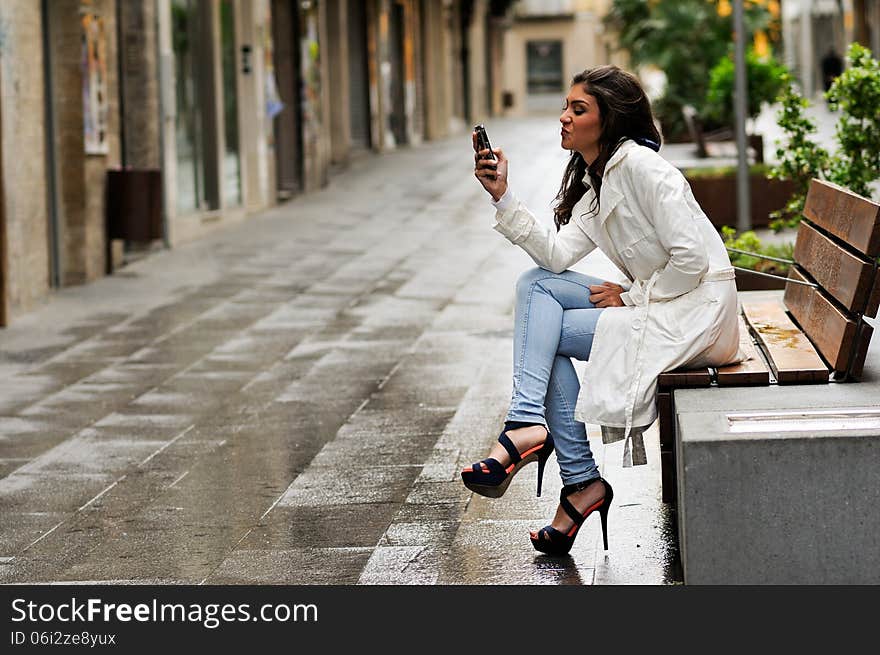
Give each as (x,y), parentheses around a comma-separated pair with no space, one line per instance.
(624,112)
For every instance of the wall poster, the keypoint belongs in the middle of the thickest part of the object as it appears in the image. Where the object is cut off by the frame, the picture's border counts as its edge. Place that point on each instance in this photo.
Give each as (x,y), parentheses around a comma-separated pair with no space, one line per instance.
(310,71)
(94,84)
(274,104)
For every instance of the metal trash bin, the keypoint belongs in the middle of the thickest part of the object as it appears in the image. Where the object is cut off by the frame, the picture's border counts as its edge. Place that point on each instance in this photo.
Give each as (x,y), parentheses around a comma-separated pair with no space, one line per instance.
(134,204)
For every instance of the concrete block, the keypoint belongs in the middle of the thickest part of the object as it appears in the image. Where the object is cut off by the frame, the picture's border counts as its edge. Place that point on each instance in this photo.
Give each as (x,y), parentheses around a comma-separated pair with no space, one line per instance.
(779,509)
(779,485)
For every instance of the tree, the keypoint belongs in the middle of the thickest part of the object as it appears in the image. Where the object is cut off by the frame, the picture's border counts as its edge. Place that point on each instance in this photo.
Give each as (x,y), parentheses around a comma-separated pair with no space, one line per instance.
(764,78)
(685,39)
(856,93)
(855,164)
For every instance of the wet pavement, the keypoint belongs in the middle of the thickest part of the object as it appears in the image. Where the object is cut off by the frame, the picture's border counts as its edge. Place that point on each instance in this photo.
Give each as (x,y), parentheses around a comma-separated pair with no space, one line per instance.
(290,401)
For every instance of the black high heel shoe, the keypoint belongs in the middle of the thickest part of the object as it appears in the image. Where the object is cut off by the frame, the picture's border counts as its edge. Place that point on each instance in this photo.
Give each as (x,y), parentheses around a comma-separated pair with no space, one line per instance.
(554,542)
(489,478)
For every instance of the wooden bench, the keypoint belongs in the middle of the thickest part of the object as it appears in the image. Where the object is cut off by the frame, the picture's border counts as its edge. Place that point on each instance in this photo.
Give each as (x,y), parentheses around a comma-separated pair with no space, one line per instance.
(700,137)
(816,334)
(718,143)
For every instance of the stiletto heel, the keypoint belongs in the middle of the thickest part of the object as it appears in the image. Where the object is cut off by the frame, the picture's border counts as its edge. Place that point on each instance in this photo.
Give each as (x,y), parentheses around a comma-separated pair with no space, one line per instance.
(603,515)
(554,542)
(543,456)
(489,478)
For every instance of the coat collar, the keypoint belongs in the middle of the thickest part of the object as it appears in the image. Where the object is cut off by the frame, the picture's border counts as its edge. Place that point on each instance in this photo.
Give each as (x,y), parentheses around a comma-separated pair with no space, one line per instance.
(617,156)
(611,195)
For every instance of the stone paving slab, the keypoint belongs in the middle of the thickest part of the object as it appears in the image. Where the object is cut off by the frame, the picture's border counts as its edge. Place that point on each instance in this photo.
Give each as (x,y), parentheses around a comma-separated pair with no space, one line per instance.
(299,566)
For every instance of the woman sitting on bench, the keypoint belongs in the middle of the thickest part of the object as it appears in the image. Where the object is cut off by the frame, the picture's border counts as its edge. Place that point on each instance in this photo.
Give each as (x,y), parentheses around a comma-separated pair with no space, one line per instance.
(619,195)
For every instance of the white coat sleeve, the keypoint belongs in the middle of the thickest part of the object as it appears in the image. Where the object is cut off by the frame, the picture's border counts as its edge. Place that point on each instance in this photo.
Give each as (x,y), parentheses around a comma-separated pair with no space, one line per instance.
(663,198)
(555,251)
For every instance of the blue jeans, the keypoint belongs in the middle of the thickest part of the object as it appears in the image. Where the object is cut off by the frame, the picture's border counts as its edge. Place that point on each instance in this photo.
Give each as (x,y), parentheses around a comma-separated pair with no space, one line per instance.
(554,322)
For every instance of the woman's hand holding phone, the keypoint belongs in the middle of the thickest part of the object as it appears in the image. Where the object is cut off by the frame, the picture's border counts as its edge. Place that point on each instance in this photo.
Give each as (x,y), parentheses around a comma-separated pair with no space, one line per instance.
(492,173)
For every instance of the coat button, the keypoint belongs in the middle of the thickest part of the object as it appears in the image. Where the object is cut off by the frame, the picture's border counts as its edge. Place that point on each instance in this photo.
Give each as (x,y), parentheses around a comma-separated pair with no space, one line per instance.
(637,324)
(628,252)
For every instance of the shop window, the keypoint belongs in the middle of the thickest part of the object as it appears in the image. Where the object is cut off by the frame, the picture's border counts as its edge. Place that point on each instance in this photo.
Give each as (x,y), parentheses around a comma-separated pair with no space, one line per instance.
(544,66)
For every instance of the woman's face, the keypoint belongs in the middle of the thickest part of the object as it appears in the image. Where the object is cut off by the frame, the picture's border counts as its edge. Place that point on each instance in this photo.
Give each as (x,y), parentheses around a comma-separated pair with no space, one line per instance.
(581,123)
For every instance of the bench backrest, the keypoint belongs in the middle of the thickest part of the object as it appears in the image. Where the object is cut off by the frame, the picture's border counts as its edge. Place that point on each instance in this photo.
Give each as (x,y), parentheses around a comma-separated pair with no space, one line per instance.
(837,245)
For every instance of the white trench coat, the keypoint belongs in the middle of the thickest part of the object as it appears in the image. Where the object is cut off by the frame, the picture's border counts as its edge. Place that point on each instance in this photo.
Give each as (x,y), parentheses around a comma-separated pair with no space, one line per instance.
(681,306)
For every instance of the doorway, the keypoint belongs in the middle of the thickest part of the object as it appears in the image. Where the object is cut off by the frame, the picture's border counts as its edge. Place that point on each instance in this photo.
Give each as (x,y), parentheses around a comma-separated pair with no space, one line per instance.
(232,155)
(189,128)
(288,123)
(358,75)
(397,115)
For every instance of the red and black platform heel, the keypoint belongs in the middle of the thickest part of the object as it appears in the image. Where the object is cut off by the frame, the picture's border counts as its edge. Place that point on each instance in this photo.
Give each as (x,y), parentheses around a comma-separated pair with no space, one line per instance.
(554,542)
(489,477)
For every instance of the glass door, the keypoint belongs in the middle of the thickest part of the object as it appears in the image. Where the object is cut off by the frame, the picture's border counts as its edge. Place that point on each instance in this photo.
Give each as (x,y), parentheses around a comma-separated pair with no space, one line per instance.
(188,125)
(231,157)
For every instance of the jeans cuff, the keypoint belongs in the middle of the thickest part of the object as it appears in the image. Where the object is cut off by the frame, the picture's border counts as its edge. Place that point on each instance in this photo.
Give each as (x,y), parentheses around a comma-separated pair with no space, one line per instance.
(582,477)
(533,420)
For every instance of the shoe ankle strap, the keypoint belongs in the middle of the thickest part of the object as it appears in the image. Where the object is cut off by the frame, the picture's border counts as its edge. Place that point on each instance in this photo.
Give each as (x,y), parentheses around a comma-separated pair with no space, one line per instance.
(569,489)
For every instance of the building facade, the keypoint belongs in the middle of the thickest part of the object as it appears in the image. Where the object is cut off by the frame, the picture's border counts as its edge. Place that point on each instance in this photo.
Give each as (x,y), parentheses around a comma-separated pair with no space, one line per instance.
(208,111)
(60,133)
(547,43)
(811,29)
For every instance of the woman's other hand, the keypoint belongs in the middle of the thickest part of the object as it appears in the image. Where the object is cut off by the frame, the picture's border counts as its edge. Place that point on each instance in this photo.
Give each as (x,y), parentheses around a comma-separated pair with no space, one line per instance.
(606,294)
(492,173)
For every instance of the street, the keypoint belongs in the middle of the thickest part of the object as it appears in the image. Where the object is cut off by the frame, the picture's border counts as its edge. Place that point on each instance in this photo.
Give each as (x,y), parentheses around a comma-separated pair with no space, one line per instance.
(290,400)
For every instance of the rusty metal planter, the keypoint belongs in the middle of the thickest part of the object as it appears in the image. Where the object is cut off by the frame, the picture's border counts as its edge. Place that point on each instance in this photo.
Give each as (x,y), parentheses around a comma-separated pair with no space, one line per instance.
(717,197)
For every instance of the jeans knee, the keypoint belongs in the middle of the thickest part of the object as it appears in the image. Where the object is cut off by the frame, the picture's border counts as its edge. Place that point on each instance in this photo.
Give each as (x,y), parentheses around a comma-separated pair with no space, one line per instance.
(528,278)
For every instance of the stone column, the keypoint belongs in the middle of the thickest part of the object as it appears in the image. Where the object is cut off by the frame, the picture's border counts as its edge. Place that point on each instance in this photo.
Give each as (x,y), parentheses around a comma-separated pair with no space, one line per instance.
(250,104)
(81,176)
(479,79)
(377,102)
(338,91)
(139,87)
(327,98)
(4,298)
(435,65)
(24,198)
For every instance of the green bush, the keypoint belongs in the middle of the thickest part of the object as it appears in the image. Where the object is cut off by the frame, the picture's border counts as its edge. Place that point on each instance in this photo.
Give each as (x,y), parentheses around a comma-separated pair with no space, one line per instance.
(856,93)
(764,80)
(684,39)
(750,242)
(800,159)
(856,162)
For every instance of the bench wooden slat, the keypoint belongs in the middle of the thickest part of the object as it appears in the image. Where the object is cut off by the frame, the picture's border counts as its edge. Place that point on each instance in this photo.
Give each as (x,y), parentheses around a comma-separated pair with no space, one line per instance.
(845,276)
(790,354)
(682,377)
(862,341)
(751,372)
(851,218)
(831,331)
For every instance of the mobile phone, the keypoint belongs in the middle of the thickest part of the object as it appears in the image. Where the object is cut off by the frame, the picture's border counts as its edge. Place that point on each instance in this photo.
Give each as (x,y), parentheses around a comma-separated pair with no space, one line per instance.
(483,141)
